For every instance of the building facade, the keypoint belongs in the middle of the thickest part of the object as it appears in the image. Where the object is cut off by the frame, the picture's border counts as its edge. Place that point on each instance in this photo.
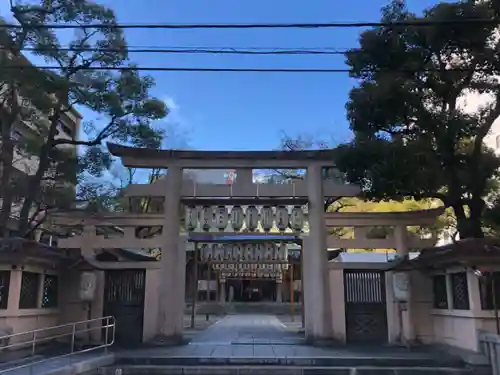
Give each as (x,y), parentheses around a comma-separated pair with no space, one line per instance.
(32,127)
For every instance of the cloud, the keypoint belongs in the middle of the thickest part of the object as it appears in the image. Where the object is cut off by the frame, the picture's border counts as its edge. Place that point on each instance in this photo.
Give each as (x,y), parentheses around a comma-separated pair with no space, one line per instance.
(176,124)
(174,108)
(171,104)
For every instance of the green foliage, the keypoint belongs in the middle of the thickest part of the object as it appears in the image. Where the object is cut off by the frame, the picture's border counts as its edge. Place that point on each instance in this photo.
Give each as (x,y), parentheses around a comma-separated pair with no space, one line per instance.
(97,197)
(413,138)
(445,221)
(126,111)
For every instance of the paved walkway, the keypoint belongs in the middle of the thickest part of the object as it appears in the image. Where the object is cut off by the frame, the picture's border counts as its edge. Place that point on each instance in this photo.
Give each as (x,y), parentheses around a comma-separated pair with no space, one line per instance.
(246,330)
(239,339)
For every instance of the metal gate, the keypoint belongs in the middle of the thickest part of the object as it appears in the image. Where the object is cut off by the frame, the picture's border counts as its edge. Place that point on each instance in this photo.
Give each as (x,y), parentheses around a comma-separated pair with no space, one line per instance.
(365,306)
(124,299)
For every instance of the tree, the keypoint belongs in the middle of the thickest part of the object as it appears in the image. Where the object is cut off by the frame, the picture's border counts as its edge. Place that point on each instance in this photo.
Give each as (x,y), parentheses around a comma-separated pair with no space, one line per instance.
(301,142)
(413,135)
(122,98)
(354,204)
(13,90)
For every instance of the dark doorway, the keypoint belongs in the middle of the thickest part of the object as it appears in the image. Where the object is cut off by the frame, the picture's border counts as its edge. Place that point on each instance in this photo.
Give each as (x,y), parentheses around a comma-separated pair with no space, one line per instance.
(252,290)
(124,299)
(365,306)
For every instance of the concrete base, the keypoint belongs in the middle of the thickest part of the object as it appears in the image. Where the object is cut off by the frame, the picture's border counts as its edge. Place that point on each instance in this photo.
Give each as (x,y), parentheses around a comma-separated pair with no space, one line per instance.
(83,363)
(468,356)
(324,343)
(355,360)
(277,370)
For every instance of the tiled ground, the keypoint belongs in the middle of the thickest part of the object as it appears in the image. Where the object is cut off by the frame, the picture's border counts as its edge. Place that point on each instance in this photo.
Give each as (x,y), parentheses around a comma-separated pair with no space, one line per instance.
(243,340)
(245,329)
(259,337)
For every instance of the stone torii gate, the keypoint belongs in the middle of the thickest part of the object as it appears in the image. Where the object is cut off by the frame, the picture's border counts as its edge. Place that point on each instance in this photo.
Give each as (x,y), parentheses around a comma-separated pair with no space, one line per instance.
(165,287)
(311,191)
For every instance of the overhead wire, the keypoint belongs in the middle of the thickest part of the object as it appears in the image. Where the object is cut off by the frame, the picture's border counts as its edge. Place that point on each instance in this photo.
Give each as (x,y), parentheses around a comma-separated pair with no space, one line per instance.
(241,70)
(197,50)
(201,50)
(110,26)
(228,50)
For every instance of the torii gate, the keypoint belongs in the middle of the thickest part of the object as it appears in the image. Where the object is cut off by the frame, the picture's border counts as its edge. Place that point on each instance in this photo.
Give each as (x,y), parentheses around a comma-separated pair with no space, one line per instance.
(311,191)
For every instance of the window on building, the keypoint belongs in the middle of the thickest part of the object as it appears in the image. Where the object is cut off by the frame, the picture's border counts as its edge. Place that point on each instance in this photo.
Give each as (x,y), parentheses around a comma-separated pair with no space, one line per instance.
(497,141)
(29,290)
(440,293)
(489,283)
(64,128)
(460,291)
(4,289)
(50,291)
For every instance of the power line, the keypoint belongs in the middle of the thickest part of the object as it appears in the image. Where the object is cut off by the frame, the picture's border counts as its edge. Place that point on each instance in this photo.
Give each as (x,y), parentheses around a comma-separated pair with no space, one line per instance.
(251,48)
(223,51)
(418,23)
(202,50)
(182,69)
(245,70)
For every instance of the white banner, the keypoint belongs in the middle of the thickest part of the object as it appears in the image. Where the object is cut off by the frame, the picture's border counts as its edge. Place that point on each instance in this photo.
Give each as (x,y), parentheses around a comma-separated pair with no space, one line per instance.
(202,285)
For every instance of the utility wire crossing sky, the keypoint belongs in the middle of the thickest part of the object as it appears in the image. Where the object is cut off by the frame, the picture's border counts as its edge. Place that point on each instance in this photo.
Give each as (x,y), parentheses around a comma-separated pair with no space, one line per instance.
(418,23)
(248,70)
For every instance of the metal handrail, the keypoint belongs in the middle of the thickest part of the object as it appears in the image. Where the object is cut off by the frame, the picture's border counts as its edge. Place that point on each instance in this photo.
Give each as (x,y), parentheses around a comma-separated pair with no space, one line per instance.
(108,322)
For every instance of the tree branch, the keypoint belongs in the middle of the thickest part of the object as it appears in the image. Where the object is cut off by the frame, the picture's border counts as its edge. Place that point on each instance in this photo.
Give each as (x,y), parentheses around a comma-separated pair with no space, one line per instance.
(96,141)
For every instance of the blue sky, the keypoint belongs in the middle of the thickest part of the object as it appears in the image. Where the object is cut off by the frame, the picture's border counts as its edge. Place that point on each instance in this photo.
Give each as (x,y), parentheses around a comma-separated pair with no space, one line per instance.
(243,111)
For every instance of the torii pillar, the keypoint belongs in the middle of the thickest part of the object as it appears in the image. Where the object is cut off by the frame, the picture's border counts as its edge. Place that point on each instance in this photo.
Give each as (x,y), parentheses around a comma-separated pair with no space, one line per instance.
(173,260)
(318,321)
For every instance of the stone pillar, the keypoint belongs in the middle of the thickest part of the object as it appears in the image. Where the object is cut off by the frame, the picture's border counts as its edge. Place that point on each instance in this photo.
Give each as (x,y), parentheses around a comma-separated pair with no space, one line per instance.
(401,240)
(317,296)
(173,259)
(279,292)
(405,307)
(222,294)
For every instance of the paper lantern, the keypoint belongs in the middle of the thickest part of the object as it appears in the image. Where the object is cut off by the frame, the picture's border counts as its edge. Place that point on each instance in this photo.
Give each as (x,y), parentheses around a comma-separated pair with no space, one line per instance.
(252,218)
(237,217)
(191,218)
(282,218)
(266,218)
(221,218)
(206,218)
(297,219)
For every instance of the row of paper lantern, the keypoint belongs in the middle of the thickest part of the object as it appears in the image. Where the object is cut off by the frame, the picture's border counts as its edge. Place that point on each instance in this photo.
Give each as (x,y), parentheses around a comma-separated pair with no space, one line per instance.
(219,217)
(251,274)
(249,267)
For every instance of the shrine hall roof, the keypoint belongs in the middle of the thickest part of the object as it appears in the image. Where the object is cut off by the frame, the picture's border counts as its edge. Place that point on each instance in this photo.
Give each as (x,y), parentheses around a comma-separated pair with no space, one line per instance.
(469,252)
(150,153)
(15,248)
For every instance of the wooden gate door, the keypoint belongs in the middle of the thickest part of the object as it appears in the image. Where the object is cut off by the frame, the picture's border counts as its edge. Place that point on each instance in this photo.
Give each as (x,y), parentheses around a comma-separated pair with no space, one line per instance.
(365,306)
(124,299)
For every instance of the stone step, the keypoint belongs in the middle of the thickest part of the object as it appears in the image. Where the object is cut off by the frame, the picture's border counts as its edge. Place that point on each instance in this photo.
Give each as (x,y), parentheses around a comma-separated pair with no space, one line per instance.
(340,361)
(20,362)
(280,370)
